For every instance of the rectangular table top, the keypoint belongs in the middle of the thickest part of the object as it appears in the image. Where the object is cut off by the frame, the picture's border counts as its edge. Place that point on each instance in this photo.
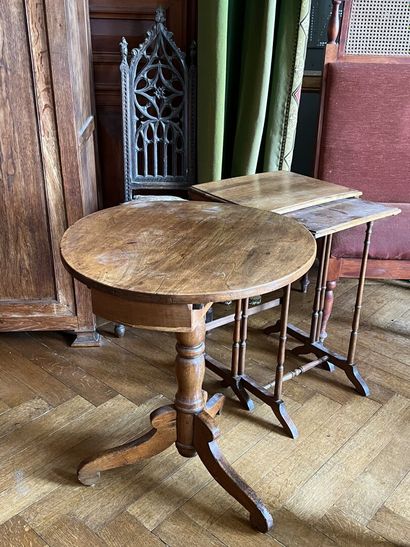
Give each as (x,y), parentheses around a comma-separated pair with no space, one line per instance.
(279,191)
(336,216)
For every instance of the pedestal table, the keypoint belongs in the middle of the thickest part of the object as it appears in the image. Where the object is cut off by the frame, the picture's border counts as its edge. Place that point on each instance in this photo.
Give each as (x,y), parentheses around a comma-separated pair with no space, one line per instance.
(160,266)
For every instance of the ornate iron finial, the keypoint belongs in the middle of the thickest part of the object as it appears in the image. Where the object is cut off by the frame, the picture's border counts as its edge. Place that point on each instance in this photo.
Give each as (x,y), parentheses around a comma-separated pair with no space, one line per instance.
(124,48)
(160,15)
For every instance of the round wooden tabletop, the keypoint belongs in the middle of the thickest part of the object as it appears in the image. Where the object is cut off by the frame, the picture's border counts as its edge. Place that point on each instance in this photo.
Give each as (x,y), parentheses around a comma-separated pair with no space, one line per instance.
(187,252)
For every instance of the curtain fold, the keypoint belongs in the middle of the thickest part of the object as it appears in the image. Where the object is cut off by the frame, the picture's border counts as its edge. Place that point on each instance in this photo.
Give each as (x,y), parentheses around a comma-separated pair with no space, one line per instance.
(251,56)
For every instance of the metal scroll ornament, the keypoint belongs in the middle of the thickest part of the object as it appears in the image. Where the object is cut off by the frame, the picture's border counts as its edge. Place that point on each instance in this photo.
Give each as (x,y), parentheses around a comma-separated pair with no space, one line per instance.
(158,119)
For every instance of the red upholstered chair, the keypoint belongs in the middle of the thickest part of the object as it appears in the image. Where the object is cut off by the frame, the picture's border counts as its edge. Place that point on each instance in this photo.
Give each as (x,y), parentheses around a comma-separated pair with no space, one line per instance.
(364,130)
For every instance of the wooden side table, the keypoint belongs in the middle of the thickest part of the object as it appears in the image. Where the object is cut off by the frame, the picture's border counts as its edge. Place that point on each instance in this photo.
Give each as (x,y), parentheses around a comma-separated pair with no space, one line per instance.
(328,216)
(323,221)
(160,266)
(279,191)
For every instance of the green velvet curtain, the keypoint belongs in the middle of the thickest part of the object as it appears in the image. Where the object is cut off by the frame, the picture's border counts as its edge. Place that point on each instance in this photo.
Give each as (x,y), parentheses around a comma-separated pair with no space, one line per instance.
(251,56)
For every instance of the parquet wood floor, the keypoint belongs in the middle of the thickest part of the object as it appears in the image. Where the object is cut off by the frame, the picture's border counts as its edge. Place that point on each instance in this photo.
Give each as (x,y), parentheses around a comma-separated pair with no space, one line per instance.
(345,481)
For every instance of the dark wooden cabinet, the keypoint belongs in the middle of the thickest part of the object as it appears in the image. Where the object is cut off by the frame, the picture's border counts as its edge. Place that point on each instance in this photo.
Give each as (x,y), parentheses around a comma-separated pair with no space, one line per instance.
(110,20)
(47,162)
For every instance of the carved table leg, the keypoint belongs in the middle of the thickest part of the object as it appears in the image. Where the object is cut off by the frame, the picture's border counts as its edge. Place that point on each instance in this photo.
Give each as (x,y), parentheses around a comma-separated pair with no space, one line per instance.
(196,429)
(160,437)
(206,434)
(189,399)
(190,424)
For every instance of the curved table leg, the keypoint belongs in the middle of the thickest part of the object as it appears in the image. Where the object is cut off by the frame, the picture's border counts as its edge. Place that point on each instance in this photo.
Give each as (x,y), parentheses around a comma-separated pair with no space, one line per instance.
(161,436)
(353,374)
(196,428)
(190,424)
(242,394)
(279,409)
(206,434)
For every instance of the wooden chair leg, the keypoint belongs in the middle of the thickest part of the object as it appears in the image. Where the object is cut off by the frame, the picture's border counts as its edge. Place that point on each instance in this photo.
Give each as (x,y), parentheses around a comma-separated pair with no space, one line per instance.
(327,310)
(304,283)
(160,437)
(206,434)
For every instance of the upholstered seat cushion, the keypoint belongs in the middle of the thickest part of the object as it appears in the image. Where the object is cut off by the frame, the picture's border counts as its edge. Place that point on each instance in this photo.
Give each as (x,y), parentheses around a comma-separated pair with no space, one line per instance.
(365,144)
(390,238)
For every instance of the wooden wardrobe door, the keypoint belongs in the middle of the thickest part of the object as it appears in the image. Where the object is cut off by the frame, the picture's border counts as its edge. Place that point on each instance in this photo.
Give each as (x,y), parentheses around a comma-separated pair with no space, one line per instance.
(47,165)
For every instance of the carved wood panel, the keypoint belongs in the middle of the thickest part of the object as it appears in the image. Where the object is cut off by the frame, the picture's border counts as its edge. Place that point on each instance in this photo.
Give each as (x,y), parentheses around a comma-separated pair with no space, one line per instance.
(110,20)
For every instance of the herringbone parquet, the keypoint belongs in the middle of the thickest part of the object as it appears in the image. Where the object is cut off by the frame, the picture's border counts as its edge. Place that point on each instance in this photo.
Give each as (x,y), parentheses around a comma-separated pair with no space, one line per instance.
(345,481)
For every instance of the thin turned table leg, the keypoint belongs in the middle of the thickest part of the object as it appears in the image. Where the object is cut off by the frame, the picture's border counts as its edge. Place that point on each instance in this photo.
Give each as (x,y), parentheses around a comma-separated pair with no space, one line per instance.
(278,406)
(351,369)
(239,353)
(318,305)
(320,331)
(284,314)
(244,335)
(233,378)
(328,247)
(327,309)
(236,338)
(318,302)
(318,289)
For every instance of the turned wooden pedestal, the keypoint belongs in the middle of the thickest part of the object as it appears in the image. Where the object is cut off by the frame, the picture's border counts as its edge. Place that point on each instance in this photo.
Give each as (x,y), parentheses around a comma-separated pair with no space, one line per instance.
(160,266)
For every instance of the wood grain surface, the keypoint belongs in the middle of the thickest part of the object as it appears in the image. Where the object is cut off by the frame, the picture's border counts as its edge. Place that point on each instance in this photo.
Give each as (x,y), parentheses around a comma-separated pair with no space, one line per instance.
(187,252)
(329,218)
(279,191)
